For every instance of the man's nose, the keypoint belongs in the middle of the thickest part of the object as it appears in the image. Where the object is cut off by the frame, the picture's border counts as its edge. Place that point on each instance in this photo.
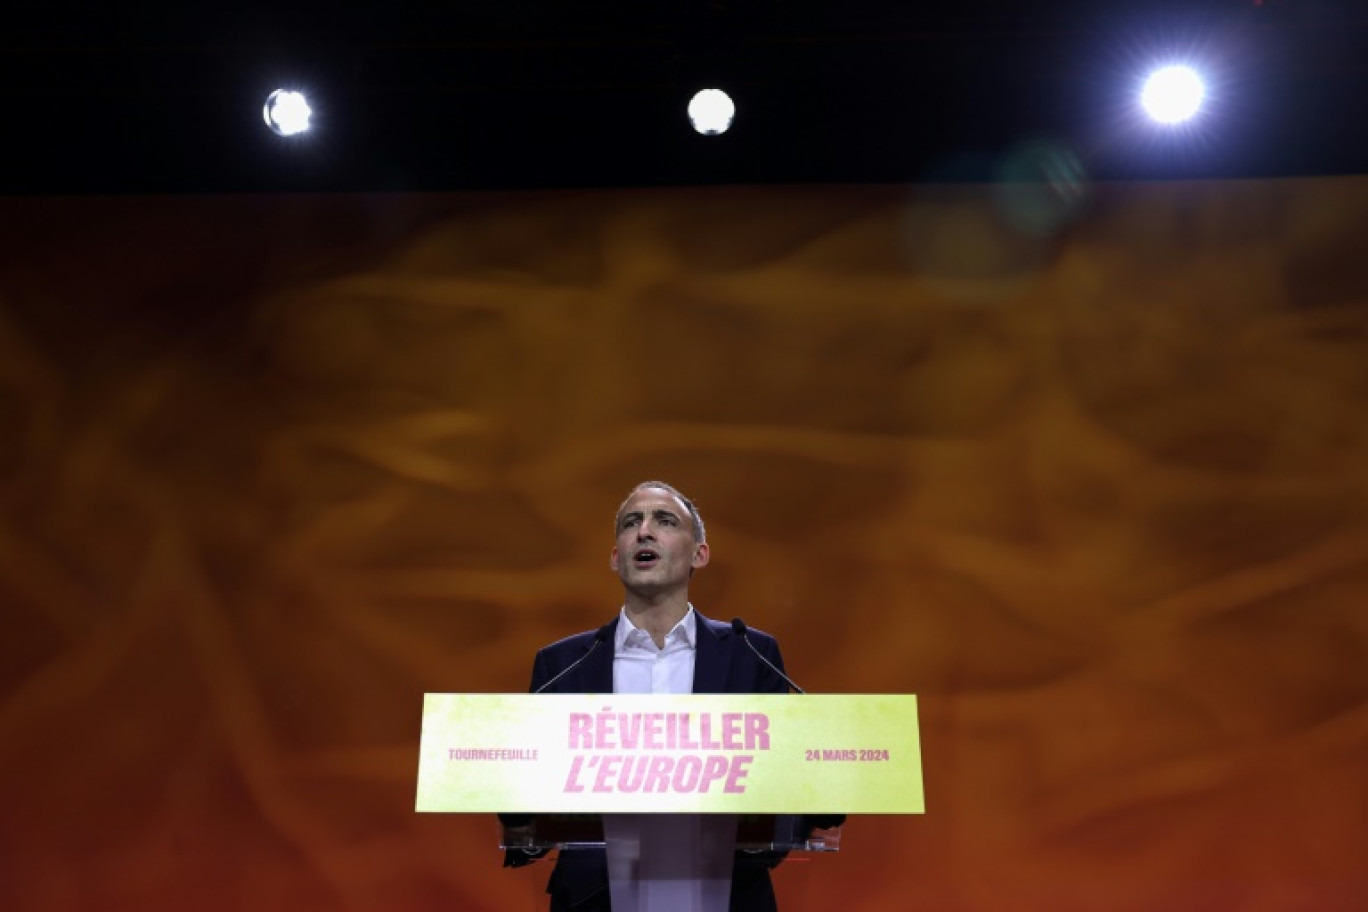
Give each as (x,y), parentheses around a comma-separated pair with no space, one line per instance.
(645,532)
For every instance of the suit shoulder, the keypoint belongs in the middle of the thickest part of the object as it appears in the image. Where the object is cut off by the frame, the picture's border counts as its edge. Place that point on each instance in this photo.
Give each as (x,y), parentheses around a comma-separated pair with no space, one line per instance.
(724,629)
(571,642)
(759,636)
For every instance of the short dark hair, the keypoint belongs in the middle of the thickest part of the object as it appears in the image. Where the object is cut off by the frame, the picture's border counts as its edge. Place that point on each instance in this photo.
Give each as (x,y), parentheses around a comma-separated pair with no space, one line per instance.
(700,531)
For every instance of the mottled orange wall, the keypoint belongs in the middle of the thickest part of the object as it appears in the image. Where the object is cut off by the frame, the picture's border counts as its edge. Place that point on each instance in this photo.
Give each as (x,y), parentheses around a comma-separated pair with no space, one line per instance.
(273,467)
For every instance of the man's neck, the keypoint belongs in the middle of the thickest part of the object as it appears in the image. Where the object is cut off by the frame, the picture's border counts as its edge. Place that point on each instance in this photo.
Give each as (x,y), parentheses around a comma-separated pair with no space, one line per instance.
(656,618)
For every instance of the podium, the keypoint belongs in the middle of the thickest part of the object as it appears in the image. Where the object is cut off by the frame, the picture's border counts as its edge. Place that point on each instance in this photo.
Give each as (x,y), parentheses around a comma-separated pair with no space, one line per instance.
(754,833)
(570,766)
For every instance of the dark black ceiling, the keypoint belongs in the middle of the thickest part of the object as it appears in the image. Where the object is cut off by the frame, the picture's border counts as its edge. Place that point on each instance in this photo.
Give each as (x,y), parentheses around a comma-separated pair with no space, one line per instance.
(413,95)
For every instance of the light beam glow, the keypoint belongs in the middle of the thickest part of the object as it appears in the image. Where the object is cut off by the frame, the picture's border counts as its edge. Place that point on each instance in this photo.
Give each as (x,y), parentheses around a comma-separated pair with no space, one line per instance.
(286,112)
(711,112)
(1173,94)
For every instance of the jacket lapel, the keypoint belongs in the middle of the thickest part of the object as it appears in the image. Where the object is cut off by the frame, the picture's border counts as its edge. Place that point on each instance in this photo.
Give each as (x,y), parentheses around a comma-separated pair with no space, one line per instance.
(596,674)
(712,658)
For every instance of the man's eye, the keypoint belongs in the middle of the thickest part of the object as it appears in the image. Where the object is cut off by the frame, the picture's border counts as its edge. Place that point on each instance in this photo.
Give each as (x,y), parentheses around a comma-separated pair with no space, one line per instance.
(667,520)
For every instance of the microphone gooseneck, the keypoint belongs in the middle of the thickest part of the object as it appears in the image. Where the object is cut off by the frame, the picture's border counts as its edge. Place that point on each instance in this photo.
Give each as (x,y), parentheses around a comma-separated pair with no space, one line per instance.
(599,636)
(740,629)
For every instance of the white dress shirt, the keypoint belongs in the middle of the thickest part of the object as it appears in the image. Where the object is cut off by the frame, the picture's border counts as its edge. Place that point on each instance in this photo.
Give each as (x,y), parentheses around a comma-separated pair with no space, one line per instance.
(639,666)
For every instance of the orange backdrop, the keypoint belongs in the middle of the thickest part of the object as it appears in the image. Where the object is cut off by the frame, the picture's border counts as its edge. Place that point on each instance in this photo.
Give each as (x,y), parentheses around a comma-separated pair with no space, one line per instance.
(1089,476)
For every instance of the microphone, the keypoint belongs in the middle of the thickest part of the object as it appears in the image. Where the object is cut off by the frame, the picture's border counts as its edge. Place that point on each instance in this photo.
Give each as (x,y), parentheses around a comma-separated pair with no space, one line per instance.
(599,636)
(739,628)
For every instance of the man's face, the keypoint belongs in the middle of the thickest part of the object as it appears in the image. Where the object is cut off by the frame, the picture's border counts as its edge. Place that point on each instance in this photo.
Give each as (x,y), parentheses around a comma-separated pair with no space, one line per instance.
(656,550)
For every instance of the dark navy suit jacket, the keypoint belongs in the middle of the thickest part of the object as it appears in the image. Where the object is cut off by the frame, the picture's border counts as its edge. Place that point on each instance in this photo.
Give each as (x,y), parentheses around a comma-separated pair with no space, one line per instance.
(722,664)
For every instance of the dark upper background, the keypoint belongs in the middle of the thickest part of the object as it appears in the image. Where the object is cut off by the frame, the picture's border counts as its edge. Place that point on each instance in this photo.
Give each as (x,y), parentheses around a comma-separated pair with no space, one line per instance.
(421,95)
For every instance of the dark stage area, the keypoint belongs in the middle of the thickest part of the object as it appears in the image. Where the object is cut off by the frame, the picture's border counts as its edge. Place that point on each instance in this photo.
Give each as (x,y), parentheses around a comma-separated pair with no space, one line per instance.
(160,97)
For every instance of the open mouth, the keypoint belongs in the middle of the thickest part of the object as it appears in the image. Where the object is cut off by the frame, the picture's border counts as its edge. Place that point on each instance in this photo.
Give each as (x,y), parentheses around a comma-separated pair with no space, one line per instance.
(645,557)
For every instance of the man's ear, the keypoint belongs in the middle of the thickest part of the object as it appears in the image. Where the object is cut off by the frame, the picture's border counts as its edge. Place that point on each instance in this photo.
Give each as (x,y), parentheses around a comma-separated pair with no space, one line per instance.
(700,556)
(612,559)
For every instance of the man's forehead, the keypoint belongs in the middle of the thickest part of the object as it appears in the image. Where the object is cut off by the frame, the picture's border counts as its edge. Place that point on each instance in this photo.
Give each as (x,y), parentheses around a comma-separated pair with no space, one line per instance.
(652,499)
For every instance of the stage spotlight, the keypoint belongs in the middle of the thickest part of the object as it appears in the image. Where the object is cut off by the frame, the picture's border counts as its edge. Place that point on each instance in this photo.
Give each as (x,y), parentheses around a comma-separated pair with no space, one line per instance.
(1172,94)
(711,112)
(286,112)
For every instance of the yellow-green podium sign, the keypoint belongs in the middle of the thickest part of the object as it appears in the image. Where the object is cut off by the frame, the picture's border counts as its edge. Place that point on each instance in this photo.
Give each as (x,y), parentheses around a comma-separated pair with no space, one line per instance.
(700,753)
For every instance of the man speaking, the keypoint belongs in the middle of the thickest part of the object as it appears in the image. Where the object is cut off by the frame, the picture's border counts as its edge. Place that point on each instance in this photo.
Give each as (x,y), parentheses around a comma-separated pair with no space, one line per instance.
(658,643)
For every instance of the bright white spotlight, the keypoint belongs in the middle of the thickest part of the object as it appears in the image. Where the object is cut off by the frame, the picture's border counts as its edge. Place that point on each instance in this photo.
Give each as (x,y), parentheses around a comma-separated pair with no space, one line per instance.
(286,112)
(711,112)
(1172,94)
